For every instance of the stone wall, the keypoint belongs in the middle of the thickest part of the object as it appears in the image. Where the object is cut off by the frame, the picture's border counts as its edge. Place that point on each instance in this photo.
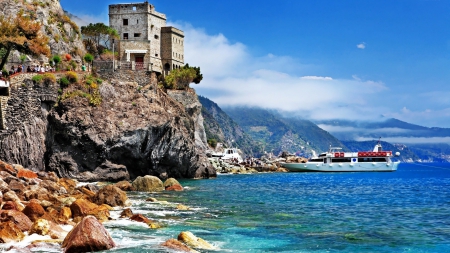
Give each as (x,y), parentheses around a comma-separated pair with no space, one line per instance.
(141,77)
(25,120)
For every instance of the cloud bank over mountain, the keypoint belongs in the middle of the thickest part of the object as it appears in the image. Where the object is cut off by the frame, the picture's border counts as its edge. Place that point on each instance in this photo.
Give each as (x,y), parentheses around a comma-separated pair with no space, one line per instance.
(235,77)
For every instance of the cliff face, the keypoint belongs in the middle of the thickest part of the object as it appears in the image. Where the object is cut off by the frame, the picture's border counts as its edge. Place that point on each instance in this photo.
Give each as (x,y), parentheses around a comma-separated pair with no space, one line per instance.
(142,129)
(194,108)
(64,36)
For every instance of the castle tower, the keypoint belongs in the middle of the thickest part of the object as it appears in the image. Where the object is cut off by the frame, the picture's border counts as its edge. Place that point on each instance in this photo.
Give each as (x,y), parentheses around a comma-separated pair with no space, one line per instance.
(172,52)
(145,41)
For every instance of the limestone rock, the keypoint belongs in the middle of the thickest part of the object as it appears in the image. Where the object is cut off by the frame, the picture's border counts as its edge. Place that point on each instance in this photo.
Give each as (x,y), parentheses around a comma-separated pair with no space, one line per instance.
(34,210)
(140,218)
(20,219)
(178,246)
(10,232)
(111,195)
(148,184)
(9,205)
(172,184)
(40,227)
(125,186)
(194,241)
(89,235)
(68,184)
(126,213)
(82,207)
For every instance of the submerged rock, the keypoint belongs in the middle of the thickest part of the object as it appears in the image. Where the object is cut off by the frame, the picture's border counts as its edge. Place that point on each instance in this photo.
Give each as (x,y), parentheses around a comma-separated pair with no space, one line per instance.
(89,235)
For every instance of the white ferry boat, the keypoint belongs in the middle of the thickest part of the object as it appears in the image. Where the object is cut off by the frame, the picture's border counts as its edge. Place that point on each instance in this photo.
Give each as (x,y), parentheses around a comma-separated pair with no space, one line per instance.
(337,161)
(230,154)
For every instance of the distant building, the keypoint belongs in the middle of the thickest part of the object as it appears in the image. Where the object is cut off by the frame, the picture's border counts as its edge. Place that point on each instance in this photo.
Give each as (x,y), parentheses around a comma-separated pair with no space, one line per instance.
(145,40)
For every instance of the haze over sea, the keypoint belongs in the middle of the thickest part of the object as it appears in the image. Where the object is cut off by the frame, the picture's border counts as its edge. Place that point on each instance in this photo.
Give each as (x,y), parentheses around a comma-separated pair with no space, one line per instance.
(403,211)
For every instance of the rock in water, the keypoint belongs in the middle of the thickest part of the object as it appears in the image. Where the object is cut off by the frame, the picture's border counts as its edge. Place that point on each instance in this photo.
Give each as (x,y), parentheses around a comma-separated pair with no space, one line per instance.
(177,245)
(111,195)
(148,184)
(172,184)
(89,235)
(194,241)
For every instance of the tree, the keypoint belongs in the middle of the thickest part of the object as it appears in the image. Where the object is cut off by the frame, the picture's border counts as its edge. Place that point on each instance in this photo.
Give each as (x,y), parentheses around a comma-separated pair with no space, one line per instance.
(96,34)
(198,76)
(181,78)
(23,35)
(88,58)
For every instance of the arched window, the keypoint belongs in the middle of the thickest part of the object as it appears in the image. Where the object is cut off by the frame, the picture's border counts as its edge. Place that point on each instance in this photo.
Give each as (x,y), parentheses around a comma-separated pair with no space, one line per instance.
(167,66)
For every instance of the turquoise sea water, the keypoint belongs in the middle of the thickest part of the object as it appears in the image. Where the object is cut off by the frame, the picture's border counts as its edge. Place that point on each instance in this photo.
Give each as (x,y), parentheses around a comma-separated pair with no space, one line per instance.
(403,211)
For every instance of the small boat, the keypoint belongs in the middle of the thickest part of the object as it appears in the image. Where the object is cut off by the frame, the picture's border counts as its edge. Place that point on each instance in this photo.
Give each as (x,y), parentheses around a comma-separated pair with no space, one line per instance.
(230,154)
(337,161)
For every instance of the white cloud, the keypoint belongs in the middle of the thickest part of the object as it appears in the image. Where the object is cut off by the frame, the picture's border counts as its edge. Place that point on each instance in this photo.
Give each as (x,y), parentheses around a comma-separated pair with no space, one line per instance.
(317,78)
(232,76)
(361,45)
(348,129)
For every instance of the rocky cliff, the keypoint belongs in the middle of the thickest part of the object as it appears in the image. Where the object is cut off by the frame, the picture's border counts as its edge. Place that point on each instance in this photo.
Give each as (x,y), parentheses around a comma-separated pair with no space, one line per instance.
(135,131)
(64,35)
(143,129)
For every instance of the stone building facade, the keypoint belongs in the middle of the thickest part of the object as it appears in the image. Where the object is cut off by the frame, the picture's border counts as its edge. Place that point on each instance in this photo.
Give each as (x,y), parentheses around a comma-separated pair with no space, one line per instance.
(145,40)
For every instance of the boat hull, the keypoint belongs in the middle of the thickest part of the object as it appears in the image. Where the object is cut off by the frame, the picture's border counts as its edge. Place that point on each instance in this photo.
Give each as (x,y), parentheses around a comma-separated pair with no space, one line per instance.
(341,167)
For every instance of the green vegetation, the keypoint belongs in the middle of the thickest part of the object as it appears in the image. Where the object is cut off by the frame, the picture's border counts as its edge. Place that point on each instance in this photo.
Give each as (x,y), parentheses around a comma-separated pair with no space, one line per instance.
(72,76)
(64,82)
(212,143)
(87,88)
(37,78)
(49,78)
(97,37)
(179,79)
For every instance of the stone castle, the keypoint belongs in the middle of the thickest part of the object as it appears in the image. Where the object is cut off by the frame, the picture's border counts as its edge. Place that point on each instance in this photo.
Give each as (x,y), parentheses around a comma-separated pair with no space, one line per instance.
(145,40)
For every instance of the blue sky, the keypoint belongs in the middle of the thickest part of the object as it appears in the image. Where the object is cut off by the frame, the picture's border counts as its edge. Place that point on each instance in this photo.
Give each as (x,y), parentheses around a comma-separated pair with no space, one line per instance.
(320,59)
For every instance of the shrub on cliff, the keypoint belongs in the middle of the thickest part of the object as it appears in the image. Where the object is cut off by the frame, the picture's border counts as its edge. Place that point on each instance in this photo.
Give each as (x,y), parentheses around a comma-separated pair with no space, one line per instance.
(37,78)
(49,78)
(64,82)
(180,79)
(72,76)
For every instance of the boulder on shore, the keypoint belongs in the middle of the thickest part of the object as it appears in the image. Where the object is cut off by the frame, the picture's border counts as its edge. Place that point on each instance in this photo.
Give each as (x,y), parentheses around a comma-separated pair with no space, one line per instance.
(148,184)
(10,232)
(172,184)
(89,235)
(112,196)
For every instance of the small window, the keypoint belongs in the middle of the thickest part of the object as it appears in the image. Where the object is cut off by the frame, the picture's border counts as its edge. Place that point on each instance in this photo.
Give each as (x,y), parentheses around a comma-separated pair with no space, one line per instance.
(156,36)
(137,21)
(137,35)
(125,21)
(156,55)
(125,36)
(134,8)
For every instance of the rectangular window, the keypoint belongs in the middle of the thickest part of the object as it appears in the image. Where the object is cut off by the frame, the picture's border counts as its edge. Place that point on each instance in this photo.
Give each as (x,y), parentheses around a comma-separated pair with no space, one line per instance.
(134,8)
(137,35)
(125,36)
(125,21)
